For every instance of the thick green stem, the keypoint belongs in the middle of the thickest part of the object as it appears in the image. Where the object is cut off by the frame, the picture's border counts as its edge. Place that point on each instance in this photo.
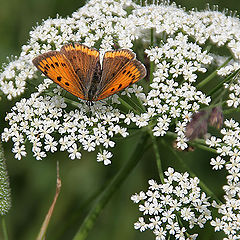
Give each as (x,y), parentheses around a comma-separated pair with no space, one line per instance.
(4,227)
(157,155)
(109,191)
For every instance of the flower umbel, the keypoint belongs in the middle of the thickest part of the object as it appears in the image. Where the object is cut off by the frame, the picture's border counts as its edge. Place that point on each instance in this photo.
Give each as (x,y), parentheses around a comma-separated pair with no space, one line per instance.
(173,97)
(166,206)
(190,88)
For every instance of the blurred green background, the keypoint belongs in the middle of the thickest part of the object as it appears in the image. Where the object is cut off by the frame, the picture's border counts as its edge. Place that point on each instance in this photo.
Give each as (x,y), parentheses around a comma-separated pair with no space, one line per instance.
(33,182)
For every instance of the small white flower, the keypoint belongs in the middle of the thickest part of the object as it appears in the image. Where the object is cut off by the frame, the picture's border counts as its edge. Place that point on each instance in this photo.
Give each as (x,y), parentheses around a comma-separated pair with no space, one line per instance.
(213,142)
(160,234)
(74,152)
(217,163)
(20,151)
(136,198)
(141,225)
(186,214)
(104,157)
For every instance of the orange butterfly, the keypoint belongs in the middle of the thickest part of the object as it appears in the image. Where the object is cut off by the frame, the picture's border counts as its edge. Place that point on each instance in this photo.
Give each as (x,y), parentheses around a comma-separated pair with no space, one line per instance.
(77,69)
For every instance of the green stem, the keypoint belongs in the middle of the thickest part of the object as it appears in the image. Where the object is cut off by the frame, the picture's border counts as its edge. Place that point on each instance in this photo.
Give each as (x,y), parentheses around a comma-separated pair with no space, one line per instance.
(231,111)
(203,147)
(136,106)
(220,96)
(128,106)
(157,155)
(227,79)
(212,75)
(4,227)
(109,191)
(152,36)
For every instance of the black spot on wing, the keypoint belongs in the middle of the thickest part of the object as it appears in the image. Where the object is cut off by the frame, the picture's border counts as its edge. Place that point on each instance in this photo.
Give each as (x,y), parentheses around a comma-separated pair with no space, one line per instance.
(76,71)
(66,83)
(59,78)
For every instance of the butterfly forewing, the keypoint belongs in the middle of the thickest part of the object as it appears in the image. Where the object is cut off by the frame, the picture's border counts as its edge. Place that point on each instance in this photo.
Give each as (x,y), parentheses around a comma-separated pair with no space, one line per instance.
(127,71)
(56,66)
(86,64)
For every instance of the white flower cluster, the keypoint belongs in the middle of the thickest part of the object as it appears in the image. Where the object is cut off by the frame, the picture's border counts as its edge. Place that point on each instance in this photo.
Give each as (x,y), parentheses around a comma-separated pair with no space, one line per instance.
(168,99)
(178,56)
(233,87)
(229,156)
(38,118)
(234,96)
(103,20)
(166,206)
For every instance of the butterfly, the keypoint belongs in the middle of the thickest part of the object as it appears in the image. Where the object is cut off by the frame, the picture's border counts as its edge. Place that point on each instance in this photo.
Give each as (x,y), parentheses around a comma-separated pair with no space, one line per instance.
(77,69)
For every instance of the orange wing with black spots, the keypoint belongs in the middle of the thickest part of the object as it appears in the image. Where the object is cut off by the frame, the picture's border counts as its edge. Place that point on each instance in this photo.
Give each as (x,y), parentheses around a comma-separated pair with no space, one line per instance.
(120,69)
(57,67)
(77,69)
(85,62)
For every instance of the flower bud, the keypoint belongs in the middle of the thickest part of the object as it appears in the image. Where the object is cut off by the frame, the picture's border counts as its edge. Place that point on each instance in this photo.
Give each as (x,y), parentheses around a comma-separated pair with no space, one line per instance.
(216,117)
(197,127)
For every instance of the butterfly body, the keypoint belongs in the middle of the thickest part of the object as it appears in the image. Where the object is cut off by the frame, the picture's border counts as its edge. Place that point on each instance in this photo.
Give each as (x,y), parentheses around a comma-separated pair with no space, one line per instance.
(77,69)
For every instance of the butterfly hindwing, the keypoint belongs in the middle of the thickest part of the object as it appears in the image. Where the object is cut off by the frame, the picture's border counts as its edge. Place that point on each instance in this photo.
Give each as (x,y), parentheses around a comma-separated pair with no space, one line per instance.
(85,62)
(113,61)
(56,66)
(120,69)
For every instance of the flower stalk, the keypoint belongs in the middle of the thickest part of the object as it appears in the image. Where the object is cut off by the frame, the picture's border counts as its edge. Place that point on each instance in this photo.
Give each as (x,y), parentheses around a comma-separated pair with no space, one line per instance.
(4,228)
(5,192)
(105,196)
(157,156)
(212,75)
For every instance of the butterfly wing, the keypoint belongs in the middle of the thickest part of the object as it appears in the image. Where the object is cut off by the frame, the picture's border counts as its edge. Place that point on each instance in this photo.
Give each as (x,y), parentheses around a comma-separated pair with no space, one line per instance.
(86,64)
(120,69)
(56,66)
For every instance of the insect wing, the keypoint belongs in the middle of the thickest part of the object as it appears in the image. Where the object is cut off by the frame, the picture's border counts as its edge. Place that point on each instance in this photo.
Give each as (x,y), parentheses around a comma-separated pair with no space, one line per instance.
(86,64)
(120,69)
(56,66)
